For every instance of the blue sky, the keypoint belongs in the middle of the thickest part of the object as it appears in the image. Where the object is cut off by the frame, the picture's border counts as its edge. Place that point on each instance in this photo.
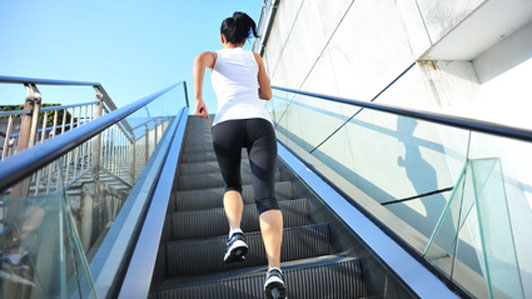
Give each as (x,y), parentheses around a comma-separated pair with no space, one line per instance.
(133,48)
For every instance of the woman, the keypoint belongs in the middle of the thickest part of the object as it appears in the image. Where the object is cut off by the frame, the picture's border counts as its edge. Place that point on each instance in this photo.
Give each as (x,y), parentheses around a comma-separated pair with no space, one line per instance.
(241,121)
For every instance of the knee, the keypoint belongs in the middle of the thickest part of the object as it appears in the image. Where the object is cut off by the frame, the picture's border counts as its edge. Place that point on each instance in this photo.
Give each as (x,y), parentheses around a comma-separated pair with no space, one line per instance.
(266,204)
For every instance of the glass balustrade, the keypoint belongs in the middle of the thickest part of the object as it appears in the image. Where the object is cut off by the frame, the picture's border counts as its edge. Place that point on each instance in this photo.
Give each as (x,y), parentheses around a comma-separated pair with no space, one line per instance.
(460,199)
(53,221)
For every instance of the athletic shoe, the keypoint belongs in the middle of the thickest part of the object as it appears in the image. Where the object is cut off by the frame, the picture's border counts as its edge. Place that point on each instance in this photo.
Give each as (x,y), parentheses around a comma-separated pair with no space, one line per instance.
(236,248)
(274,287)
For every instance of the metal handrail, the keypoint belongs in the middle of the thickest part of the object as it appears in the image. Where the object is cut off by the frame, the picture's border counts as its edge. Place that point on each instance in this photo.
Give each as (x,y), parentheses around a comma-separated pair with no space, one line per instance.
(14,112)
(23,80)
(21,165)
(439,118)
(35,81)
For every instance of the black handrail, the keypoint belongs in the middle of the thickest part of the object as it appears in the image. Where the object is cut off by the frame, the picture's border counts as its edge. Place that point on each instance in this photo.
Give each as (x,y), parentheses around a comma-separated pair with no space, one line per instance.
(21,165)
(439,118)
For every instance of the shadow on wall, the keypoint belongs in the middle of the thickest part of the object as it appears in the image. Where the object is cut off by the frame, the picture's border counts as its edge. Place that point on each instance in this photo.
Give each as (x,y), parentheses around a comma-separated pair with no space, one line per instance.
(422,177)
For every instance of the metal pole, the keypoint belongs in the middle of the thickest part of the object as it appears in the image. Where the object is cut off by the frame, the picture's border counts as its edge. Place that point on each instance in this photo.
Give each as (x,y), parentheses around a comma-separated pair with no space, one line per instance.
(43,135)
(77,151)
(84,146)
(155,135)
(97,140)
(69,155)
(28,128)
(132,166)
(146,144)
(5,151)
(63,123)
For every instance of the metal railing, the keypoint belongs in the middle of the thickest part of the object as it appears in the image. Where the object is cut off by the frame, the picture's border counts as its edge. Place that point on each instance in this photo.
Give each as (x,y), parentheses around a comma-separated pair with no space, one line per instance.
(20,135)
(77,184)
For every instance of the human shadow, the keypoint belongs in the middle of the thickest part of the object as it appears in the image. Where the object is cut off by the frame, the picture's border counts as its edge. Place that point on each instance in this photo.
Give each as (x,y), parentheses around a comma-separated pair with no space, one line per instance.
(423,178)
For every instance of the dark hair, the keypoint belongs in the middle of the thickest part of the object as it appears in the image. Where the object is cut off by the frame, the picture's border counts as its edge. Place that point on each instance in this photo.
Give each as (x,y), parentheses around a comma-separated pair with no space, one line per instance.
(238,28)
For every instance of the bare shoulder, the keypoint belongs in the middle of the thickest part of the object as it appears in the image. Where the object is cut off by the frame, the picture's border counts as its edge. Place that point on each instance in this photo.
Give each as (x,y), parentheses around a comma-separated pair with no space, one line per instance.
(208,57)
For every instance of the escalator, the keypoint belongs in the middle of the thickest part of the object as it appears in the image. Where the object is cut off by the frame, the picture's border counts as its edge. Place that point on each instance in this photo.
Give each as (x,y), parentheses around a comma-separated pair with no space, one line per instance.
(343,236)
(318,255)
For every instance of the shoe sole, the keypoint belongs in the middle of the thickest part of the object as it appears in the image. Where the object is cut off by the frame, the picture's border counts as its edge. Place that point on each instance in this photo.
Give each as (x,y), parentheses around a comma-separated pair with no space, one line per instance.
(275,290)
(237,252)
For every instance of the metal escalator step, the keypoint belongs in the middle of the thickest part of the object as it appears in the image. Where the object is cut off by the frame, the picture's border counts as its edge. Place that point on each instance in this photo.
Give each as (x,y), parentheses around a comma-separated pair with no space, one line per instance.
(210,180)
(203,167)
(315,278)
(212,197)
(192,257)
(207,167)
(212,222)
(206,156)
(197,149)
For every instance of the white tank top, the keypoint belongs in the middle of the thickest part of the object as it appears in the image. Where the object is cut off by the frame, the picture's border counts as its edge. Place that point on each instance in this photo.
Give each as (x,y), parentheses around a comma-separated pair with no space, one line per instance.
(235,82)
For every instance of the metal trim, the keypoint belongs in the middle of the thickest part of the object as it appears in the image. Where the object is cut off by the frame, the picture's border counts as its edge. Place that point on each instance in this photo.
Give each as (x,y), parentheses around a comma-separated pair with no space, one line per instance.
(439,118)
(422,281)
(138,278)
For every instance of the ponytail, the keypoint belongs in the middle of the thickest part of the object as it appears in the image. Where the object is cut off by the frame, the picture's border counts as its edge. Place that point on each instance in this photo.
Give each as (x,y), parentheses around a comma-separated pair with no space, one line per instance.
(238,28)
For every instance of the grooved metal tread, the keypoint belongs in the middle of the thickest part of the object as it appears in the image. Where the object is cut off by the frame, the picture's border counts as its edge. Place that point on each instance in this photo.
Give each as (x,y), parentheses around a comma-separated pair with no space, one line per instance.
(206,167)
(213,222)
(202,256)
(212,197)
(211,180)
(205,156)
(315,278)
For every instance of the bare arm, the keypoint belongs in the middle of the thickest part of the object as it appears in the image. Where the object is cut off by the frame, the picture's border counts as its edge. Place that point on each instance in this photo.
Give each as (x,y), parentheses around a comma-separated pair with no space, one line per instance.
(265,90)
(203,60)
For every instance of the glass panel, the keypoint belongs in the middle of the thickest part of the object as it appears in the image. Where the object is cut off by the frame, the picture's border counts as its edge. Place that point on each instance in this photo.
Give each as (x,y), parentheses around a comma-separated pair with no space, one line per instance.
(410,174)
(41,252)
(306,120)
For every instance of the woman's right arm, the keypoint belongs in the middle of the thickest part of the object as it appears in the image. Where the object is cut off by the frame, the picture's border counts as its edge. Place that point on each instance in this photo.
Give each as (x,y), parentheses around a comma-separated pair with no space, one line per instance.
(203,60)
(265,90)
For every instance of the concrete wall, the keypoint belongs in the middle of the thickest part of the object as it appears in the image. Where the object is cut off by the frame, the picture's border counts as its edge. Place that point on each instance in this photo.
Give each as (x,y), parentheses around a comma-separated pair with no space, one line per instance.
(421,54)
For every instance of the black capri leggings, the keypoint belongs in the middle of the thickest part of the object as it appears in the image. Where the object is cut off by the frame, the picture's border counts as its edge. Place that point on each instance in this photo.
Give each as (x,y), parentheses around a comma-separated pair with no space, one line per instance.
(258,136)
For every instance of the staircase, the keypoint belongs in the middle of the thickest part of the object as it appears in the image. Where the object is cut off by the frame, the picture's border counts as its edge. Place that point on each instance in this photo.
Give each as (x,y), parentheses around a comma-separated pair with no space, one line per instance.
(190,261)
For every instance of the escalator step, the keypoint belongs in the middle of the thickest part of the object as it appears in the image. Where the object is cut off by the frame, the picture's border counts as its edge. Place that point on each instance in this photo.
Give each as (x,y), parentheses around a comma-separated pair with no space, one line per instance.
(207,167)
(316,278)
(206,156)
(213,222)
(204,167)
(210,180)
(197,148)
(212,197)
(192,257)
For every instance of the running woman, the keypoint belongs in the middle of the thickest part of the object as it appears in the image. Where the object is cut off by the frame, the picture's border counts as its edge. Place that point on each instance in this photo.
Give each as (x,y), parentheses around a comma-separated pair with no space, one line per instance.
(239,79)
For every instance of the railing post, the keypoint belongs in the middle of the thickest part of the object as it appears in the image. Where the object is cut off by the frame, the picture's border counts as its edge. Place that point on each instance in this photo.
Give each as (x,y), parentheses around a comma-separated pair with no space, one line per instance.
(133,161)
(97,140)
(146,144)
(7,143)
(28,130)
(155,131)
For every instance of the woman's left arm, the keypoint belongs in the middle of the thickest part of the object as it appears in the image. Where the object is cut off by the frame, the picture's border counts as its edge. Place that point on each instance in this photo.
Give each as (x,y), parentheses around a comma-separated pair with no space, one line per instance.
(205,59)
